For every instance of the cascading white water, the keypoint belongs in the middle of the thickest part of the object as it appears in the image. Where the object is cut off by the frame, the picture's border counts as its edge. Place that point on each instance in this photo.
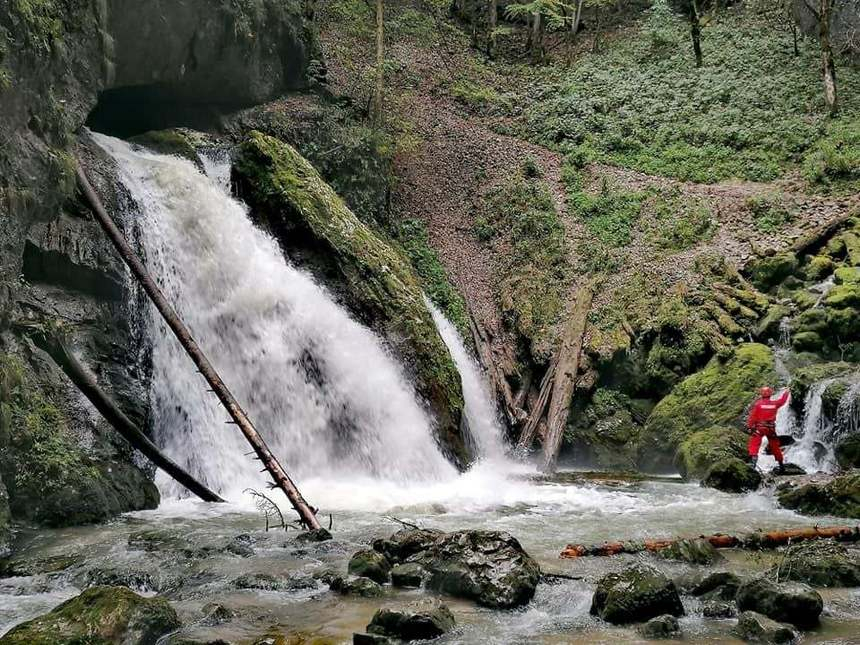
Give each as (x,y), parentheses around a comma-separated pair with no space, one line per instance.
(482,415)
(320,387)
(813,451)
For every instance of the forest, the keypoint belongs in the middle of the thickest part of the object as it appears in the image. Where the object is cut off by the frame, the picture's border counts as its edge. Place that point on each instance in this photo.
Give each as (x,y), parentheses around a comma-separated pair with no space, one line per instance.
(463,321)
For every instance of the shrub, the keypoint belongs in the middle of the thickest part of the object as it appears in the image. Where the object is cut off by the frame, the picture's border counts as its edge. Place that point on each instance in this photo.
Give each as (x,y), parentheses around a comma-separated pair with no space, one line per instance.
(769,212)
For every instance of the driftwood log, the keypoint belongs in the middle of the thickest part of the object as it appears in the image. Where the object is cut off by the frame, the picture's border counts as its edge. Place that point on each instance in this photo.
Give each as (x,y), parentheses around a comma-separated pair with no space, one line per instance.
(756,540)
(279,476)
(86,383)
(499,383)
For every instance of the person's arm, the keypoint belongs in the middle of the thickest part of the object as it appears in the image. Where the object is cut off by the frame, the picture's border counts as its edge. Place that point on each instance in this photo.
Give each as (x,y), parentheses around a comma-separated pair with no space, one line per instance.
(783,399)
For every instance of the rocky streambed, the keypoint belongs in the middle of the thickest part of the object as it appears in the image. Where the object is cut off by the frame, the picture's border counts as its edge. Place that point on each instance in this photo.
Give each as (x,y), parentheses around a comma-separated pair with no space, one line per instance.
(229,580)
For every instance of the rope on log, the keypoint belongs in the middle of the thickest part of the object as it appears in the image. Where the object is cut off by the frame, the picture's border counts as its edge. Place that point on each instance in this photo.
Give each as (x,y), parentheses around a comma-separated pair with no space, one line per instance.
(86,383)
(756,540)
(264,454)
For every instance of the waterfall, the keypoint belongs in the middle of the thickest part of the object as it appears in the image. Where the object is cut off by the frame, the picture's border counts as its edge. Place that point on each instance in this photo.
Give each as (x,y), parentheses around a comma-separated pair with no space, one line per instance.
(482,415)
(321,388)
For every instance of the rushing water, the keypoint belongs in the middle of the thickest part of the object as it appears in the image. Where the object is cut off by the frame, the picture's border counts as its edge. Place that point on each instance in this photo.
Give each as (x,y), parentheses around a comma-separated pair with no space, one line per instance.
(338,411)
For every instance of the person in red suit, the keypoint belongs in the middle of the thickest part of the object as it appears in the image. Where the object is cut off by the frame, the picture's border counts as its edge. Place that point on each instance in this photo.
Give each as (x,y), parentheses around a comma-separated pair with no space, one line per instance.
(762,423)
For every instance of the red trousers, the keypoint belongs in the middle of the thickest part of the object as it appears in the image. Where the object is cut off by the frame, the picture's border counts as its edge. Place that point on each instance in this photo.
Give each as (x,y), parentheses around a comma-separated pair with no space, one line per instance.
(772,442)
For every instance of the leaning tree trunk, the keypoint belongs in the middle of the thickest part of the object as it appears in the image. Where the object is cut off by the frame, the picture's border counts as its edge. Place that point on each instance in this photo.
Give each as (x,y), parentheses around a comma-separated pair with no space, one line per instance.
(696,32)
(565,377)
(379,88)
(52,345)
(264,454)
(828,65)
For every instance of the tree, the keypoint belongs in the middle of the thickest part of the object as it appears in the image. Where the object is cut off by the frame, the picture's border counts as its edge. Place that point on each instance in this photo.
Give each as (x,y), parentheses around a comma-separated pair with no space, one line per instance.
(599,7)
(780,13)
(379,86)
(538,15)
(823,13)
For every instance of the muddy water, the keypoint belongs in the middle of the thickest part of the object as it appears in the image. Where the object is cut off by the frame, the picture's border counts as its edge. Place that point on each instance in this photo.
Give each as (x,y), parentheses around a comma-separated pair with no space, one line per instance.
(178,550)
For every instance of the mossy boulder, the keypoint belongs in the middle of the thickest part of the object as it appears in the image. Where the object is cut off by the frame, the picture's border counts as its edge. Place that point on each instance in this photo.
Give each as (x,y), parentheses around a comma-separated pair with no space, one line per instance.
(177,142)
(732,475)
(767,272)
(844,296)
(839,497)
(356,586)
(603,434)
(807,341)
(377,282)
(100,616)
(804,377)
(848,452)
(634,595)
(754,627)
(811,320)
(702,449)
(693,551)
(818,267)
(717,395)
(821,563)
(370,564)
(790,602)
(421,620)
(847,275)
(659,628)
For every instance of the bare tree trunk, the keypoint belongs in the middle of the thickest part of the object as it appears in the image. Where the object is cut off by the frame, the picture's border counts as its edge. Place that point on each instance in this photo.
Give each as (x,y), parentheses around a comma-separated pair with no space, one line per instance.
(696,32)
(574,30)
(794,37)
(527,436)
(492,22)
(513,409)
(264,454)
(86,383)
(595,44)
(536,37)
(379,88)
(755,540)
(825,15)
(565,377)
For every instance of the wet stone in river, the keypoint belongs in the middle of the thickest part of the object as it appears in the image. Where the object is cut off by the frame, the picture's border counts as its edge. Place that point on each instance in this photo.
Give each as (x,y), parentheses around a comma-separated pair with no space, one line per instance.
(635,594)
(718,609)
(370,564)
(665,626)
(409,574)
(421,620)
(356,586)
(722,585)
(756,628)
(790,602)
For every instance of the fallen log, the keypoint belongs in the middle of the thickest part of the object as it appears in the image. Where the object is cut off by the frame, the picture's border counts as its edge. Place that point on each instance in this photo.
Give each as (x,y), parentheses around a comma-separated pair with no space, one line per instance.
(498,381)
(755,540)
(86,383)
(565,376)
(818,234)
(527,436)
(279,476)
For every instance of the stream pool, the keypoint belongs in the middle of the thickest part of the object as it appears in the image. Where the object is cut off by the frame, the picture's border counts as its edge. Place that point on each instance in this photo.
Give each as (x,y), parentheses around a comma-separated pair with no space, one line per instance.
(179,550)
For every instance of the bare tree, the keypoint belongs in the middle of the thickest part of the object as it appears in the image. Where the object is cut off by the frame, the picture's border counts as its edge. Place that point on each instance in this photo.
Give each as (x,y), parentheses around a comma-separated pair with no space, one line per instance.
(824,15)
(379,85)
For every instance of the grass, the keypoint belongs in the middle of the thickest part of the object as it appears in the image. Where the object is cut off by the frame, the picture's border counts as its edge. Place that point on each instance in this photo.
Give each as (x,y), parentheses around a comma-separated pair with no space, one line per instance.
(680,222)
(770,214)
(752,111)
(521,213)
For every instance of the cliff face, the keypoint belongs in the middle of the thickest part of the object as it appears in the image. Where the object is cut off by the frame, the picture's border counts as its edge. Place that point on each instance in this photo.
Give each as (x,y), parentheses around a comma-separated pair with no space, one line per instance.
(121,66)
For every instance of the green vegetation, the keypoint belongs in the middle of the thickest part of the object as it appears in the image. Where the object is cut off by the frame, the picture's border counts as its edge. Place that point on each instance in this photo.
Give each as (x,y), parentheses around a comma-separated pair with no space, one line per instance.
(481,99)
(42,22)
(752,111)
(770,214)
(680,222)
(521,213)
(412,235)
(610,215)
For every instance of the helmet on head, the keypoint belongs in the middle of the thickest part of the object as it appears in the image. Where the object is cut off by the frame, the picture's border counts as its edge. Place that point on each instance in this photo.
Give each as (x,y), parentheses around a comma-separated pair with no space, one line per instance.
(766,392)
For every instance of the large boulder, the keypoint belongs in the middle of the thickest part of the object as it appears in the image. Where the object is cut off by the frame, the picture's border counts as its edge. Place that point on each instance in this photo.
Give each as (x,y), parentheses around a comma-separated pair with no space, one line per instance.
(717,395)
(375,280)
(702,449)
(756,628)
(839,496)
(370,564)
(847,452)
(732,475)
(821,563)
(662,627)
(489,567)
(103,615)
(421,620)
(790,602)
(719,586)
(635,594)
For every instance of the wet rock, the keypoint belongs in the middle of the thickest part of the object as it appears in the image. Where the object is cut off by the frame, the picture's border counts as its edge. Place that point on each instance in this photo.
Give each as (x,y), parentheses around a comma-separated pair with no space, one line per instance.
(791,602)
(99,615)
(665,626)
(356,586)
(718,609)
(372,639)
(409,574)
(316,535)
(698,452)
(268,582)
(767,272)
(732,476)
(692,552)
(407,543)
(241,545)
(722,585)
(821,563)
(217,614)
(839,496)
(156,540)
(370,564)
(489,567)
(847,452)
(422,620)
(136,579)
(789,470)
(24,566)
(636,594)
(756,628)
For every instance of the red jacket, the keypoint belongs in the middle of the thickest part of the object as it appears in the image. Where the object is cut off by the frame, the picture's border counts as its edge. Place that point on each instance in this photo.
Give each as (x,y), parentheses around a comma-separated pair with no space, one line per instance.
(764,411)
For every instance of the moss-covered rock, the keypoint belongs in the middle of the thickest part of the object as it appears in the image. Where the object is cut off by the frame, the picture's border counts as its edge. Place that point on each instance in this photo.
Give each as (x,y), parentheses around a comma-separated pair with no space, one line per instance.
(603,434)
(839,497)
(767,272)
(285,190)
(702,449)
(49,478)
(821,563)
(790,602)
(717,395)
(99,616)
(804,377)
(635,594)
(370,564)
(848,452)
(818,267)
(807,341)
(177,142)
(692,551)
(811,320)
(847,275)
(732,475)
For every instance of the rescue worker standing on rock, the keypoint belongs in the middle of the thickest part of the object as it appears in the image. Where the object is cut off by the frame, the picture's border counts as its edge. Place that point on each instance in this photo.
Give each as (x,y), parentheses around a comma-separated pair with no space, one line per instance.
(762,423)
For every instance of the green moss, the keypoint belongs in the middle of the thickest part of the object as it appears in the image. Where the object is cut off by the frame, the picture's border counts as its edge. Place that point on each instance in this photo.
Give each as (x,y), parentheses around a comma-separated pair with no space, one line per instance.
(804,377)
(835,159)
(42,22)
(717,395)
(533,272)
(769,212)
(169,142)
(818,267)
(412,235)
(844,296)
(611,215)
(284,187)
(479,98)
(603,433)
(839,497)
(680,222)
(769,271)
(99,616)
(702,449)
(847,275)
(732,475)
